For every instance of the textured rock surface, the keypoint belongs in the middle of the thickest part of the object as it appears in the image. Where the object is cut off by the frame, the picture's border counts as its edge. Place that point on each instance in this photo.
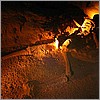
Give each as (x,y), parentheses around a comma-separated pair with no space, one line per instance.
(38,71)
(42,75)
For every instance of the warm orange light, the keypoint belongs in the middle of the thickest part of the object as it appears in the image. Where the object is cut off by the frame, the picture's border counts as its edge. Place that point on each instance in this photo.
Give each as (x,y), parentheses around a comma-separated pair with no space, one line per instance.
(56,43)
(87,25)
(71,30)
(92,9)
(91,12)
(77,24)
(67,42)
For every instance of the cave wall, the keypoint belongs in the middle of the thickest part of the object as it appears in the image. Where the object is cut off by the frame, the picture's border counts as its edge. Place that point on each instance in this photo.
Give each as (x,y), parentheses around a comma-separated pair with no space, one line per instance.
(90,8)
(22,23)
(21,29)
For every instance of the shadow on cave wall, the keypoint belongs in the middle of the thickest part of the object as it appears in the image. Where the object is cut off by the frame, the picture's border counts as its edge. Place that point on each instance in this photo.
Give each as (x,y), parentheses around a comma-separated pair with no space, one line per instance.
(56,13)
(45,8)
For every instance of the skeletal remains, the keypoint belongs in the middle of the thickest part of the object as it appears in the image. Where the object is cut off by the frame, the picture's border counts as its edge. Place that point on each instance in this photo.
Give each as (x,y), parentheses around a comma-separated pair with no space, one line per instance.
(62,41)
(65,38)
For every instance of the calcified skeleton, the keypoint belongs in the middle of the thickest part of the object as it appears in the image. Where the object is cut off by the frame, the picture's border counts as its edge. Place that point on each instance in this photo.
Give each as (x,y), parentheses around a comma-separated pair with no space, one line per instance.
(84,30)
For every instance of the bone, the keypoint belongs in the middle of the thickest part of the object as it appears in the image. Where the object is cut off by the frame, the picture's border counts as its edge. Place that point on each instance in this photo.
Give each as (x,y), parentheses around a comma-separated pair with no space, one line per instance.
(67,64)
(18,53)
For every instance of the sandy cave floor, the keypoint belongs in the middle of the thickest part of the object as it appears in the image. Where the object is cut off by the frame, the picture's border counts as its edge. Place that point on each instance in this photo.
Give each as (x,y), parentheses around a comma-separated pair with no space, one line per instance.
(42,75)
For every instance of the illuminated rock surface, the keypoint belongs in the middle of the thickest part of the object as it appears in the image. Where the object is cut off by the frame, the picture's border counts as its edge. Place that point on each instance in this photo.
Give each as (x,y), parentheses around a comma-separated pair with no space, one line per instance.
(35,70)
